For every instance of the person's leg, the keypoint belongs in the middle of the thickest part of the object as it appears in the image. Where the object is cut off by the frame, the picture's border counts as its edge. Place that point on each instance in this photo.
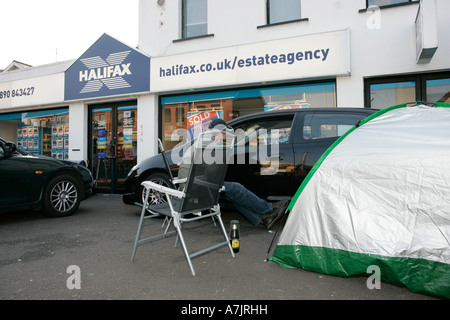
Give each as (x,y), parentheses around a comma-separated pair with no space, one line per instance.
(246,202)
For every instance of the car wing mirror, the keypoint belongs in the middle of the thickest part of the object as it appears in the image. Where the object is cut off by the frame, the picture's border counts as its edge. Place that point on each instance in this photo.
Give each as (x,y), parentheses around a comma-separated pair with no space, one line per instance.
(10,148)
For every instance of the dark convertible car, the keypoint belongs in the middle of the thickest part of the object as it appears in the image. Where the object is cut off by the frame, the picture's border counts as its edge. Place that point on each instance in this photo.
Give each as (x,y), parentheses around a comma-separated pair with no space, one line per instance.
(36,182)
(277,150)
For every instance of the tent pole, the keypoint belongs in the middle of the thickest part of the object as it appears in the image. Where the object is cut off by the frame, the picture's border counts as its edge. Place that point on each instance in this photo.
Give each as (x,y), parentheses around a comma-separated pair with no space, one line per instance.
(284,218)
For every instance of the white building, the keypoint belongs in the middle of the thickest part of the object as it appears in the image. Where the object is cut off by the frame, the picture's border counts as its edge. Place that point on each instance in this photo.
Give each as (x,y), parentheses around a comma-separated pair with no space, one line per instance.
(200,59)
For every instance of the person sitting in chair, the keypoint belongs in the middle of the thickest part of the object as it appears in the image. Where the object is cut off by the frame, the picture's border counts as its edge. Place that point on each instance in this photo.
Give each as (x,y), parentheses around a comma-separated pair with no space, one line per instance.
(255,209)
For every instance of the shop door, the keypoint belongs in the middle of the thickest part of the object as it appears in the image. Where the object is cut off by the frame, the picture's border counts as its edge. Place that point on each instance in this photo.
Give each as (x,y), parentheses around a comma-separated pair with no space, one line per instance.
(113,145)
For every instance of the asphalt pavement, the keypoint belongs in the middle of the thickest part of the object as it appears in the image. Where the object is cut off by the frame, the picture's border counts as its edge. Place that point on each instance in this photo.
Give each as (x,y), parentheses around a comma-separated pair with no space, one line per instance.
(87,257)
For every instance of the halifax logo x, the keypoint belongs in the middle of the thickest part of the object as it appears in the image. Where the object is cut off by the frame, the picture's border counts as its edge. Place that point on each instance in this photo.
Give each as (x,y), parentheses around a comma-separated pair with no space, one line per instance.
(107,72)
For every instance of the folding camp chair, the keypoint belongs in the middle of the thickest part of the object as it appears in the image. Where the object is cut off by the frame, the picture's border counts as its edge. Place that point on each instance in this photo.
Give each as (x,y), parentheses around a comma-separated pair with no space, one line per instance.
(200,193)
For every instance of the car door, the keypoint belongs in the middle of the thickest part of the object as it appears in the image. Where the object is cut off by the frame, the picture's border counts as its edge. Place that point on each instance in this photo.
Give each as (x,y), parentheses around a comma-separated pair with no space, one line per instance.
(316,132)
(264,157)
(15,181)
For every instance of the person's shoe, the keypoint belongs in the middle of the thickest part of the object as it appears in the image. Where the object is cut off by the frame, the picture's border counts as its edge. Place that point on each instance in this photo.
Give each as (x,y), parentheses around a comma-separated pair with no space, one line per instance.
(279,208)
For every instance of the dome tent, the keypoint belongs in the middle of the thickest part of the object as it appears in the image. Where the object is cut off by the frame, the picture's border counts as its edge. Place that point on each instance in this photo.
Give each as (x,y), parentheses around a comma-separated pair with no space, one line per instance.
(379,196)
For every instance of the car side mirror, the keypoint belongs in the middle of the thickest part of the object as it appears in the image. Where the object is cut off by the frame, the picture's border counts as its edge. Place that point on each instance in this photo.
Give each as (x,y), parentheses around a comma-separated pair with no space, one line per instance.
(9,147)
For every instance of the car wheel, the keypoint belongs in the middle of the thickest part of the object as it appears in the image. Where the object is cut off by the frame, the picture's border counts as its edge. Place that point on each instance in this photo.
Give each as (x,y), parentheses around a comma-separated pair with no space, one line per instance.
(62,196)
(156,197)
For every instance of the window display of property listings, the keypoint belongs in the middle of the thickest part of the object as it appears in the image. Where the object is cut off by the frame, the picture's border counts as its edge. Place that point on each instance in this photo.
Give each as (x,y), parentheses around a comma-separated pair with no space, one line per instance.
(47,136)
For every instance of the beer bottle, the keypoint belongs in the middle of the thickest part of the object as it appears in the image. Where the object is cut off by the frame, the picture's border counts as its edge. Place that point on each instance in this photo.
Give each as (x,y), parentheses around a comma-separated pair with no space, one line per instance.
(234,235)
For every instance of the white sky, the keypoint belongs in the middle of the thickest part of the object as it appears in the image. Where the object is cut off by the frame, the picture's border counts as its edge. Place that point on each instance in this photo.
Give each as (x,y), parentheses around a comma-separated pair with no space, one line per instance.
(39,32)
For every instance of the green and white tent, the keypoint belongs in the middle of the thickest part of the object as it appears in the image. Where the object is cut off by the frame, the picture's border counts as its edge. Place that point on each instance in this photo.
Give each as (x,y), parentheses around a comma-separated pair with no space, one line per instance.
(379,196)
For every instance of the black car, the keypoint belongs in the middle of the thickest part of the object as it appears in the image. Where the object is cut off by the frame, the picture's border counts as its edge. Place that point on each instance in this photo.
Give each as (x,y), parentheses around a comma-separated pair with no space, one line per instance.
(276,151)
(37,182)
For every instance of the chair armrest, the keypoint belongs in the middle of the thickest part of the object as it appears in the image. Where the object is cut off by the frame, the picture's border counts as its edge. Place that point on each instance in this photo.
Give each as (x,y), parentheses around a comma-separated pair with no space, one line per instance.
(163,189)
(178,181)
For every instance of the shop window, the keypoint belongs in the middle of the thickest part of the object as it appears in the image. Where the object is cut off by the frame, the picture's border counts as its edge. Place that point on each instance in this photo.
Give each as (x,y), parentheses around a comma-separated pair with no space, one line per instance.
(279,11)
(46,135)
(186,116)
(389,91)
(194,18)
(438,90)
(389,94)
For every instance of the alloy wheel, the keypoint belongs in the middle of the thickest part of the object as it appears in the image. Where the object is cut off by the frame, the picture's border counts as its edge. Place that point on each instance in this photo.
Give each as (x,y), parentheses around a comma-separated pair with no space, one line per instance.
(64,196)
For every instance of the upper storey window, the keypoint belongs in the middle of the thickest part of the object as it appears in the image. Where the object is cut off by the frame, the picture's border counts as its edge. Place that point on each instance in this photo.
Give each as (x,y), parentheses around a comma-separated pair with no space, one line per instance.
(388,3)
(279,11)
(194,18)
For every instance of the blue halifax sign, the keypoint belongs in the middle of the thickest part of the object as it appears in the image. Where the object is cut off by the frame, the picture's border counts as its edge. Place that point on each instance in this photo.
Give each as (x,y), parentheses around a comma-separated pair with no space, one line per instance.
(107,68)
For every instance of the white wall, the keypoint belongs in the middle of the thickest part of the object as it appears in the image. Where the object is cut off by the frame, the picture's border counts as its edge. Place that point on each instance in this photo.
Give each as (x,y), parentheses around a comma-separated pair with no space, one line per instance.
(382,42)
(78,131)
(147,126)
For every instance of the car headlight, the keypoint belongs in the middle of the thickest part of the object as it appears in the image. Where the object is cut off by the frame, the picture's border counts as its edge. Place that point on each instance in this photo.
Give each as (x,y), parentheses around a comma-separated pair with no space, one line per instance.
(85,171)
(135,167)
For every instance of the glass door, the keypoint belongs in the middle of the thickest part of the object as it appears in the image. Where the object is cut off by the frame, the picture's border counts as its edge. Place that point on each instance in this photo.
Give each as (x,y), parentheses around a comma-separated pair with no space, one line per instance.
(102,140)
(126,152)
(113,144)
